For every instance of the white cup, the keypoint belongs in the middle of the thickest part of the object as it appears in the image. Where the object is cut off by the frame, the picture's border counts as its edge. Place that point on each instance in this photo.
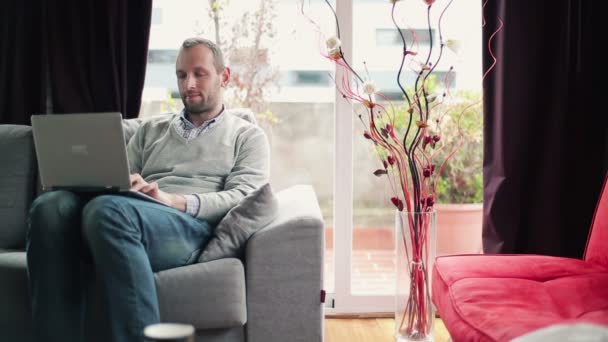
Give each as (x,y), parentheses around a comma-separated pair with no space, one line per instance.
(169,332)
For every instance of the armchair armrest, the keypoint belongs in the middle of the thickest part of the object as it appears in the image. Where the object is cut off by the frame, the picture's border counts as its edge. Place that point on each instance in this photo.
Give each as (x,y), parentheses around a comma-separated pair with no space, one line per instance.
(284,270)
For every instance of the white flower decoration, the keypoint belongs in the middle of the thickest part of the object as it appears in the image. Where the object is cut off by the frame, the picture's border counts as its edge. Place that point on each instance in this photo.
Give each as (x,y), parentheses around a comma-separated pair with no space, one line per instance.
(370,88)
(453,45)
(333,43)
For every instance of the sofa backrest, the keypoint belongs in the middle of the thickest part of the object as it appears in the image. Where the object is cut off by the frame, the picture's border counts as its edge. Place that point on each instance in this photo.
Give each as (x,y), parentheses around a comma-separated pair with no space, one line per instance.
(597,245)
(17,183)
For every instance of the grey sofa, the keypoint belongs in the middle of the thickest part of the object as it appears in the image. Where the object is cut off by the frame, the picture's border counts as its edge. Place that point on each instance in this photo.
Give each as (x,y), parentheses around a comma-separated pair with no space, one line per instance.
(273,295)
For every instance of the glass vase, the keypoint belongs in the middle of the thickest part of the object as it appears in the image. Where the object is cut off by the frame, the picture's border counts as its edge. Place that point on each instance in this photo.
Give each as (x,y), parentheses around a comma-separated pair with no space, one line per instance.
(415,253)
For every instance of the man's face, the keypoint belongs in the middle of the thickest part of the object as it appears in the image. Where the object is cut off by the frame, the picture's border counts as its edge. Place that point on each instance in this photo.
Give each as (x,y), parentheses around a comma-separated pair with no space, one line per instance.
(200,84)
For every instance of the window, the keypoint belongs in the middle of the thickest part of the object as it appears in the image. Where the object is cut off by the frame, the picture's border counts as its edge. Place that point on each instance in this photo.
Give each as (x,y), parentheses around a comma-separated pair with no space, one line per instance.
(157,16)
(162,56)
(377,46)
(315,138)
(391,37)
(387,81)
(296,108)
(311,77)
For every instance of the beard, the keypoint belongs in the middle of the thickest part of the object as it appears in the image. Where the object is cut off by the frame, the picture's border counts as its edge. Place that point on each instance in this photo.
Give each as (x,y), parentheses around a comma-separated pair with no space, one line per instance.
(201,107)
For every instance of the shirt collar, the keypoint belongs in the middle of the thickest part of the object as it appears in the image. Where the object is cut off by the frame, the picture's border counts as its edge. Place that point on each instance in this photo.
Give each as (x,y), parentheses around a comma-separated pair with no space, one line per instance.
(189,125)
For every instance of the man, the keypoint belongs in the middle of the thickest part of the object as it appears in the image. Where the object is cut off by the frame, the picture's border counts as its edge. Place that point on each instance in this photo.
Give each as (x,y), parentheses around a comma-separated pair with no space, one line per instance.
(201,163)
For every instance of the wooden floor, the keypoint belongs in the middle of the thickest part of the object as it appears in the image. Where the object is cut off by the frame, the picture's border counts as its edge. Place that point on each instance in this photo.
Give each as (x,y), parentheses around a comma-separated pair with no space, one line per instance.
(370,330)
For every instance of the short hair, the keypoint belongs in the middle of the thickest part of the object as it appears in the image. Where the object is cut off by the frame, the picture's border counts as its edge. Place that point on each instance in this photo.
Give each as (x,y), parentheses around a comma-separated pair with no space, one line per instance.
(218,56)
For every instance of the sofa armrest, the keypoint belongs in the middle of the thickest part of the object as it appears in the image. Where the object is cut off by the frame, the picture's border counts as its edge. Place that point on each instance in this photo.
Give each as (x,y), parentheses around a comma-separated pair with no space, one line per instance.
(17,183)
(284,270)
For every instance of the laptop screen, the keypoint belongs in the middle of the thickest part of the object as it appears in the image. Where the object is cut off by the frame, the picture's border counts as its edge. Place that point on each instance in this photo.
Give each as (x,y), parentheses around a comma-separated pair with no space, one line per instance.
(84,151)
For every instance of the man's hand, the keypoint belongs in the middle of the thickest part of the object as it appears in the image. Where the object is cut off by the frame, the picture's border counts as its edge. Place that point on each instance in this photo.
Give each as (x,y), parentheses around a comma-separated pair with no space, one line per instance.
(151,189)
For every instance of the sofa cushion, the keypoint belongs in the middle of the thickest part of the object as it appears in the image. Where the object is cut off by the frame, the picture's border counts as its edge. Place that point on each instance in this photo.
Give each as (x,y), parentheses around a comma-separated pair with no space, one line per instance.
(230,236)
(17,183)
(207,295)
(500,297)
(15,309)
(129,127)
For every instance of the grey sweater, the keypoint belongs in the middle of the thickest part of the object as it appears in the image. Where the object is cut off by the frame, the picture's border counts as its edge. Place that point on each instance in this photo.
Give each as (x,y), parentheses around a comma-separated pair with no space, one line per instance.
(220,167)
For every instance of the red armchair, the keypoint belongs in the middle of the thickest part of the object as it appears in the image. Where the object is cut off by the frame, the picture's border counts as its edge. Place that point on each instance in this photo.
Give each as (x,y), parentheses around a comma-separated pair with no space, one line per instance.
(500,297)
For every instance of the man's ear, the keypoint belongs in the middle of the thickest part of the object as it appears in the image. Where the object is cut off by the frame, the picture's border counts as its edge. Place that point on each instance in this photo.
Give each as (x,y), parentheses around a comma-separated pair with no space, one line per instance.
(225,77)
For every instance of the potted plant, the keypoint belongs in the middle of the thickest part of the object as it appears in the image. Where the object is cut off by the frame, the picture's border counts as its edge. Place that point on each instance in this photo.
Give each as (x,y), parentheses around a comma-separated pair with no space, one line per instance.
(460,187)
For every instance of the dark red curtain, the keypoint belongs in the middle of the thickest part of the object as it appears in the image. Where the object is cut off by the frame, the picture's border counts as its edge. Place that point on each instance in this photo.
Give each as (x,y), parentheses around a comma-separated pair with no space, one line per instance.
(22,60)
(546,126)
(95,53)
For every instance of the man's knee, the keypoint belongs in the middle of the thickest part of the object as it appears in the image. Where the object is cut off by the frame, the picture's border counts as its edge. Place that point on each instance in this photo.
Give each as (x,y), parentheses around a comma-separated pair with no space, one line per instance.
(105,215)
(54,212)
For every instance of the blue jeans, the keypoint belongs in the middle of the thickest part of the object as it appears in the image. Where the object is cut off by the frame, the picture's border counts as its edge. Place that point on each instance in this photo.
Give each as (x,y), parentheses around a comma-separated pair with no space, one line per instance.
(127,239)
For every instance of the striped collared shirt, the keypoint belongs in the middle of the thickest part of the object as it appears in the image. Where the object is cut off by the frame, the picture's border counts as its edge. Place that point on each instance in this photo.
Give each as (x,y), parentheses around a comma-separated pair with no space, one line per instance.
(189,131)
(186,129)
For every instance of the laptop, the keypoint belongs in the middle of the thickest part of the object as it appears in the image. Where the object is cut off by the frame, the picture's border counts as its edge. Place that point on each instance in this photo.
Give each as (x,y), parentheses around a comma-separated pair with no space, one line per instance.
(83,153)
